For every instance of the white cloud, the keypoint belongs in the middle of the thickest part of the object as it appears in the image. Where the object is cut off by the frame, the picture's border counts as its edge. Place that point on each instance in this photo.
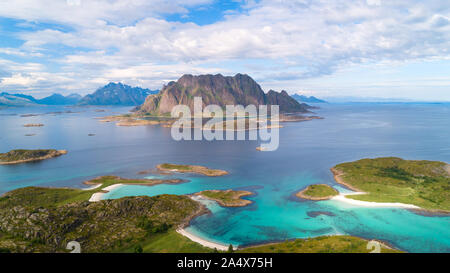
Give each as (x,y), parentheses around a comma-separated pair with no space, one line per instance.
(130,41)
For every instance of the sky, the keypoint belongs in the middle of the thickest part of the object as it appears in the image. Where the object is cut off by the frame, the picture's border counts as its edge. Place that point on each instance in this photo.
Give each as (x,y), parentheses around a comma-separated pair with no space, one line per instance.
(382,49)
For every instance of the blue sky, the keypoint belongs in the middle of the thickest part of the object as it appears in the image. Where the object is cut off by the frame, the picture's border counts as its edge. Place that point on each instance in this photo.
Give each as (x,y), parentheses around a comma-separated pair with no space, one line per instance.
(382,49)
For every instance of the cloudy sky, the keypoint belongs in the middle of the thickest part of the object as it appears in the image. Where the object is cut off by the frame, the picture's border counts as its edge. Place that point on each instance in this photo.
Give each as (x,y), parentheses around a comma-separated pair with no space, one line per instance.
(342,48)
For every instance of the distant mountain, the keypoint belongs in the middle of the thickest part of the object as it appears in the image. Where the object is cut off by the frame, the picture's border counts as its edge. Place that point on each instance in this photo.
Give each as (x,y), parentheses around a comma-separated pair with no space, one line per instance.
(58,99)
(117,94)
(217,89)
(306,99)
(7,99)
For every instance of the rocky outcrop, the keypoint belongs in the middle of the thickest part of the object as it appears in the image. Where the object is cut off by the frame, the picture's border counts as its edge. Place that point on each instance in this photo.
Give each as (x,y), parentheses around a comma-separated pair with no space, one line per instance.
(219,90)
(102,226)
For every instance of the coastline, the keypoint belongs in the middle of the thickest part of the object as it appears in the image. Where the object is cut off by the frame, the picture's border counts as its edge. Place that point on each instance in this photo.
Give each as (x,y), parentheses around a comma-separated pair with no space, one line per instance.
(202,210)
(98,196)
(202,241)
(342,198)
(302,194)
(54,154)
(239,202)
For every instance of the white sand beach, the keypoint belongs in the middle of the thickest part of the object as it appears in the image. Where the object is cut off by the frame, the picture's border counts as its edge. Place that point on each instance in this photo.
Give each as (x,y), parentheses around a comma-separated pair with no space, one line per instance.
(201,241)
(92,187)
(342,198)
(99,195)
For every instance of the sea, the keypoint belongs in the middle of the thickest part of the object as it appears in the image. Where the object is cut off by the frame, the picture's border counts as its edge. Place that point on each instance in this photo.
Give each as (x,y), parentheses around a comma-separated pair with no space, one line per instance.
(307,150)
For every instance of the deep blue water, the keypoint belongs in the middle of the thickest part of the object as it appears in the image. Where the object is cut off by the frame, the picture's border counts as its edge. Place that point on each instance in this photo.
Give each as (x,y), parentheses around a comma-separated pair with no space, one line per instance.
(307,151)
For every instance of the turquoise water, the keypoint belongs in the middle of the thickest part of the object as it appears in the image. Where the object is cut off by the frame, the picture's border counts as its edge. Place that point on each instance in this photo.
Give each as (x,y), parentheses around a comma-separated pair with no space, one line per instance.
(307,151)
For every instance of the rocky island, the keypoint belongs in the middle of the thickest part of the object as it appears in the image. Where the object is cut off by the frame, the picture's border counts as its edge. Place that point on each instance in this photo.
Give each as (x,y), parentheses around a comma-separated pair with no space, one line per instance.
(168,168)
(317,192)
(423,184)
(227,198)
(220,90)
(33,125)
(23,156)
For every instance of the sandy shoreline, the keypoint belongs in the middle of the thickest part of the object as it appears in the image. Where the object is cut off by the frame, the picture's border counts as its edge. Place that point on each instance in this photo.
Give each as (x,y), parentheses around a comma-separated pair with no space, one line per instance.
(98,196)
(181,230)
(92,187)
(201,241)
(342,198)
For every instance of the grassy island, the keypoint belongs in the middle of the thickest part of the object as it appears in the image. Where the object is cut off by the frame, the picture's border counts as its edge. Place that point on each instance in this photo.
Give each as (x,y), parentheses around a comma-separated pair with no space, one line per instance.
(227,198)
(23,156)
(317,192)
(423,183)
(322,244)
(167,167)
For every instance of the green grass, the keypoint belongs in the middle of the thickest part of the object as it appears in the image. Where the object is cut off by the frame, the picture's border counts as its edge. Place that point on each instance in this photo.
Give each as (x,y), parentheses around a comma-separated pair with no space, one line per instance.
(35,224)
(322,244)
(227,197)
(171,242)
(422,183)
(320,191)
(176,166)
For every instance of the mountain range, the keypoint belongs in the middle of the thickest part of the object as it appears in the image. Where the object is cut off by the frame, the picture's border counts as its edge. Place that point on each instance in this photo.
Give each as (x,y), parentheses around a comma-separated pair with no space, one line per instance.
(7,99)
(306,99)
(110,94)
(117,94)
(219,90)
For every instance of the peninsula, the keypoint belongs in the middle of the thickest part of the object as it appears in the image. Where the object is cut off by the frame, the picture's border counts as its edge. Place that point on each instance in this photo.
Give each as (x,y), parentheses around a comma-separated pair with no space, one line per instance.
(56,216)
(23,156)
(422,184)
(167,167)
(317,192)
(227,198)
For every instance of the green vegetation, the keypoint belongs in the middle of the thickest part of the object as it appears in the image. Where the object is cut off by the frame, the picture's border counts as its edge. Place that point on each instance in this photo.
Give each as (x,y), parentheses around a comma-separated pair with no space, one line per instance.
(43,220)
(38,196)
(228,198)
(317,192)
(167,167)
(21,156)
(172,242)
(422,183)
(322,244)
